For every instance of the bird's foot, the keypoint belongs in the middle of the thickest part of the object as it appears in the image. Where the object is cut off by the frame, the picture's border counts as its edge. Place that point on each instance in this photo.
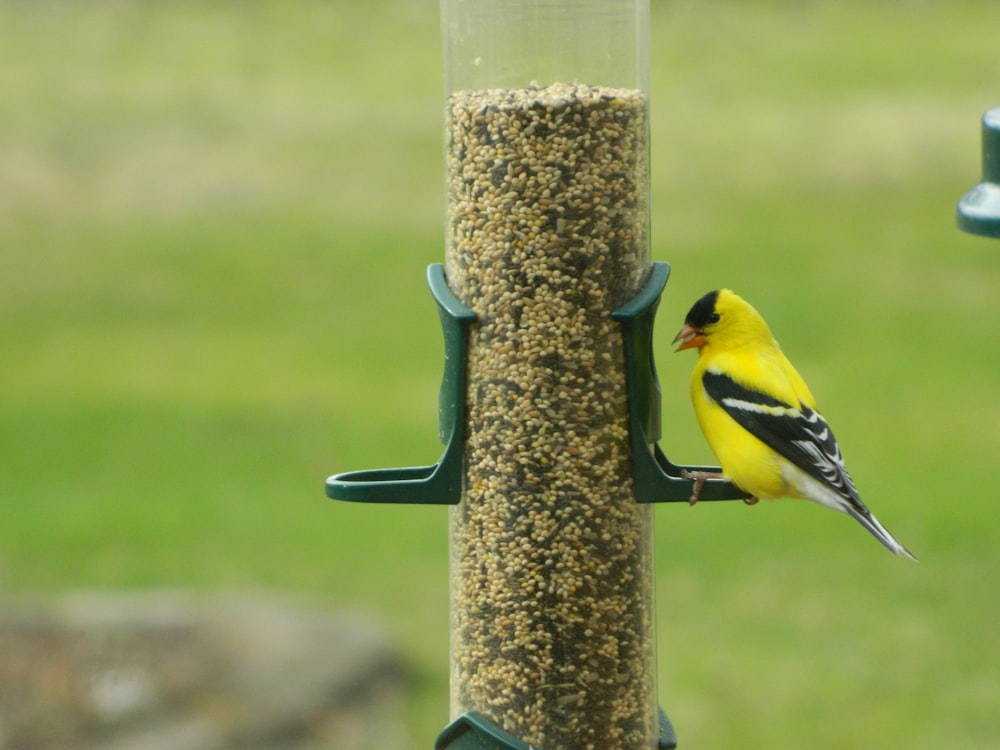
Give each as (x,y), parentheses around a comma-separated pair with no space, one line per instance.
(698,477)
(751,500)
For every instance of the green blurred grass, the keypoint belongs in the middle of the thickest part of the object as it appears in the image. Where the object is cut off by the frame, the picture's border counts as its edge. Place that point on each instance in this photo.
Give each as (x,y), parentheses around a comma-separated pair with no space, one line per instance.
(214,223)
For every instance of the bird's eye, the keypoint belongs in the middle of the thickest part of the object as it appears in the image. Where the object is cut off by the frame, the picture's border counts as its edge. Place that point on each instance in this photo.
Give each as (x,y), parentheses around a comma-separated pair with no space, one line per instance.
(714,317)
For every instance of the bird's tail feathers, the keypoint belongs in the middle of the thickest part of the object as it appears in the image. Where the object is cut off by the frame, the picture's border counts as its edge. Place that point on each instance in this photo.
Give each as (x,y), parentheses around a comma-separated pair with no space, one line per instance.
(878,531)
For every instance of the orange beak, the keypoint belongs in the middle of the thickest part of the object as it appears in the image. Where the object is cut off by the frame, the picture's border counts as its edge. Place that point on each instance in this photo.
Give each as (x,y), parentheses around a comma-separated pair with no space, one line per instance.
(690,337)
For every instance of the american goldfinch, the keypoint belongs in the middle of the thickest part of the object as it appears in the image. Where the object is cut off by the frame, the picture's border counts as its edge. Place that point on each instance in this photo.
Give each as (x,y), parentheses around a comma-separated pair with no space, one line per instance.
(760,418)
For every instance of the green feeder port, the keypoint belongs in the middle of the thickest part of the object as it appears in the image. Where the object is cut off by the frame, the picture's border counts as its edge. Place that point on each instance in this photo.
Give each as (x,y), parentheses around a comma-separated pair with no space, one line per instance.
(979,210)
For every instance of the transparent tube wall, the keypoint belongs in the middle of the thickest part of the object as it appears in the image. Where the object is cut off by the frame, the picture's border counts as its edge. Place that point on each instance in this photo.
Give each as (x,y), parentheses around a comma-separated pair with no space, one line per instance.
(547,233)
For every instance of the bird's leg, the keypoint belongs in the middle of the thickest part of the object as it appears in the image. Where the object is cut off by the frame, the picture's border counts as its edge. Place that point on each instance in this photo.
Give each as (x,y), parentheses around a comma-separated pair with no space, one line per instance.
(751,500)
(698,477)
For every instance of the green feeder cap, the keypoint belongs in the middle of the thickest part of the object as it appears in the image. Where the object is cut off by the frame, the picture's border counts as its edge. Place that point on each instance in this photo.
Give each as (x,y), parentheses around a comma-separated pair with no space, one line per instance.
(979,209)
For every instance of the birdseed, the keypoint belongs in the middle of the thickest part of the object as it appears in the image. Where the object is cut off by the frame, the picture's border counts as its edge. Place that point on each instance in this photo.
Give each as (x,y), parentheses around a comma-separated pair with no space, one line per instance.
(552,611)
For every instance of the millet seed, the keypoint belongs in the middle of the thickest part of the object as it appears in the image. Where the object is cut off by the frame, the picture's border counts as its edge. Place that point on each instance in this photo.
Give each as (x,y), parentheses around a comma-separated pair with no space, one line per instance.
(551,555)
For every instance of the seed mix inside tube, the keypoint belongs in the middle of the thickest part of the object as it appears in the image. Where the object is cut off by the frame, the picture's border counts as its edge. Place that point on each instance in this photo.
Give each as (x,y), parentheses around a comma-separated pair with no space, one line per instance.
(551,554)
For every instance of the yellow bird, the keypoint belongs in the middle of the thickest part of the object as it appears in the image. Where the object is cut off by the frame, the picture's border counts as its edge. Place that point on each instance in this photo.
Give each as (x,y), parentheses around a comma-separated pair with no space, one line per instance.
(760,418)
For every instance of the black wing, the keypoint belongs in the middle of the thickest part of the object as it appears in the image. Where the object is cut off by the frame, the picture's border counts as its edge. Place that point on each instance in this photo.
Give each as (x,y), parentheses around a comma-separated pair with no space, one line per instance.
(800,434)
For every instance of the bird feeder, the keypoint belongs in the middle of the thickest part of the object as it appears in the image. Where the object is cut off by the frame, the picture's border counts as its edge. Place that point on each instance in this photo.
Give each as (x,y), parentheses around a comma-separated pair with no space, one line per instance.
(549,404)
(979,210)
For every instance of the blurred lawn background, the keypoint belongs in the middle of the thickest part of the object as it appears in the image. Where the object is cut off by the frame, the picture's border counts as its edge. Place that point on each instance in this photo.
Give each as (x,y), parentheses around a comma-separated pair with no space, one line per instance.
(214,224)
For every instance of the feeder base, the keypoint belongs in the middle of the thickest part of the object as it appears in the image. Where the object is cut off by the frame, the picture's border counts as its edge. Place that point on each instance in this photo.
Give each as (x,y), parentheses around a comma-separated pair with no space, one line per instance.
(473,731)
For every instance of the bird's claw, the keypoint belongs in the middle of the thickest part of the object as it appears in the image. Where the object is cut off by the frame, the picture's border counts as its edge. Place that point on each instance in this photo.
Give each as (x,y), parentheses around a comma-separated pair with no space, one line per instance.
(698,478)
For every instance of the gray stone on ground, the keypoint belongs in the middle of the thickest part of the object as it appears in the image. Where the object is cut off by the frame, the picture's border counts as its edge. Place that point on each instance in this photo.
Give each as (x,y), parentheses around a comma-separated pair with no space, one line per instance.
(175,671)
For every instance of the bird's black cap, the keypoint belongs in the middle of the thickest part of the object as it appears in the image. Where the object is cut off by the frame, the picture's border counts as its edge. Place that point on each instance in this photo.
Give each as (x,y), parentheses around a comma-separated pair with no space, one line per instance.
(702,312)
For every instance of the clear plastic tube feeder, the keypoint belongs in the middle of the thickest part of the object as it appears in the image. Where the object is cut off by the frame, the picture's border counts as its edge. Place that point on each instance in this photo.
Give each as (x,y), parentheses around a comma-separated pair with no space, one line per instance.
(547,234)
(549,405)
